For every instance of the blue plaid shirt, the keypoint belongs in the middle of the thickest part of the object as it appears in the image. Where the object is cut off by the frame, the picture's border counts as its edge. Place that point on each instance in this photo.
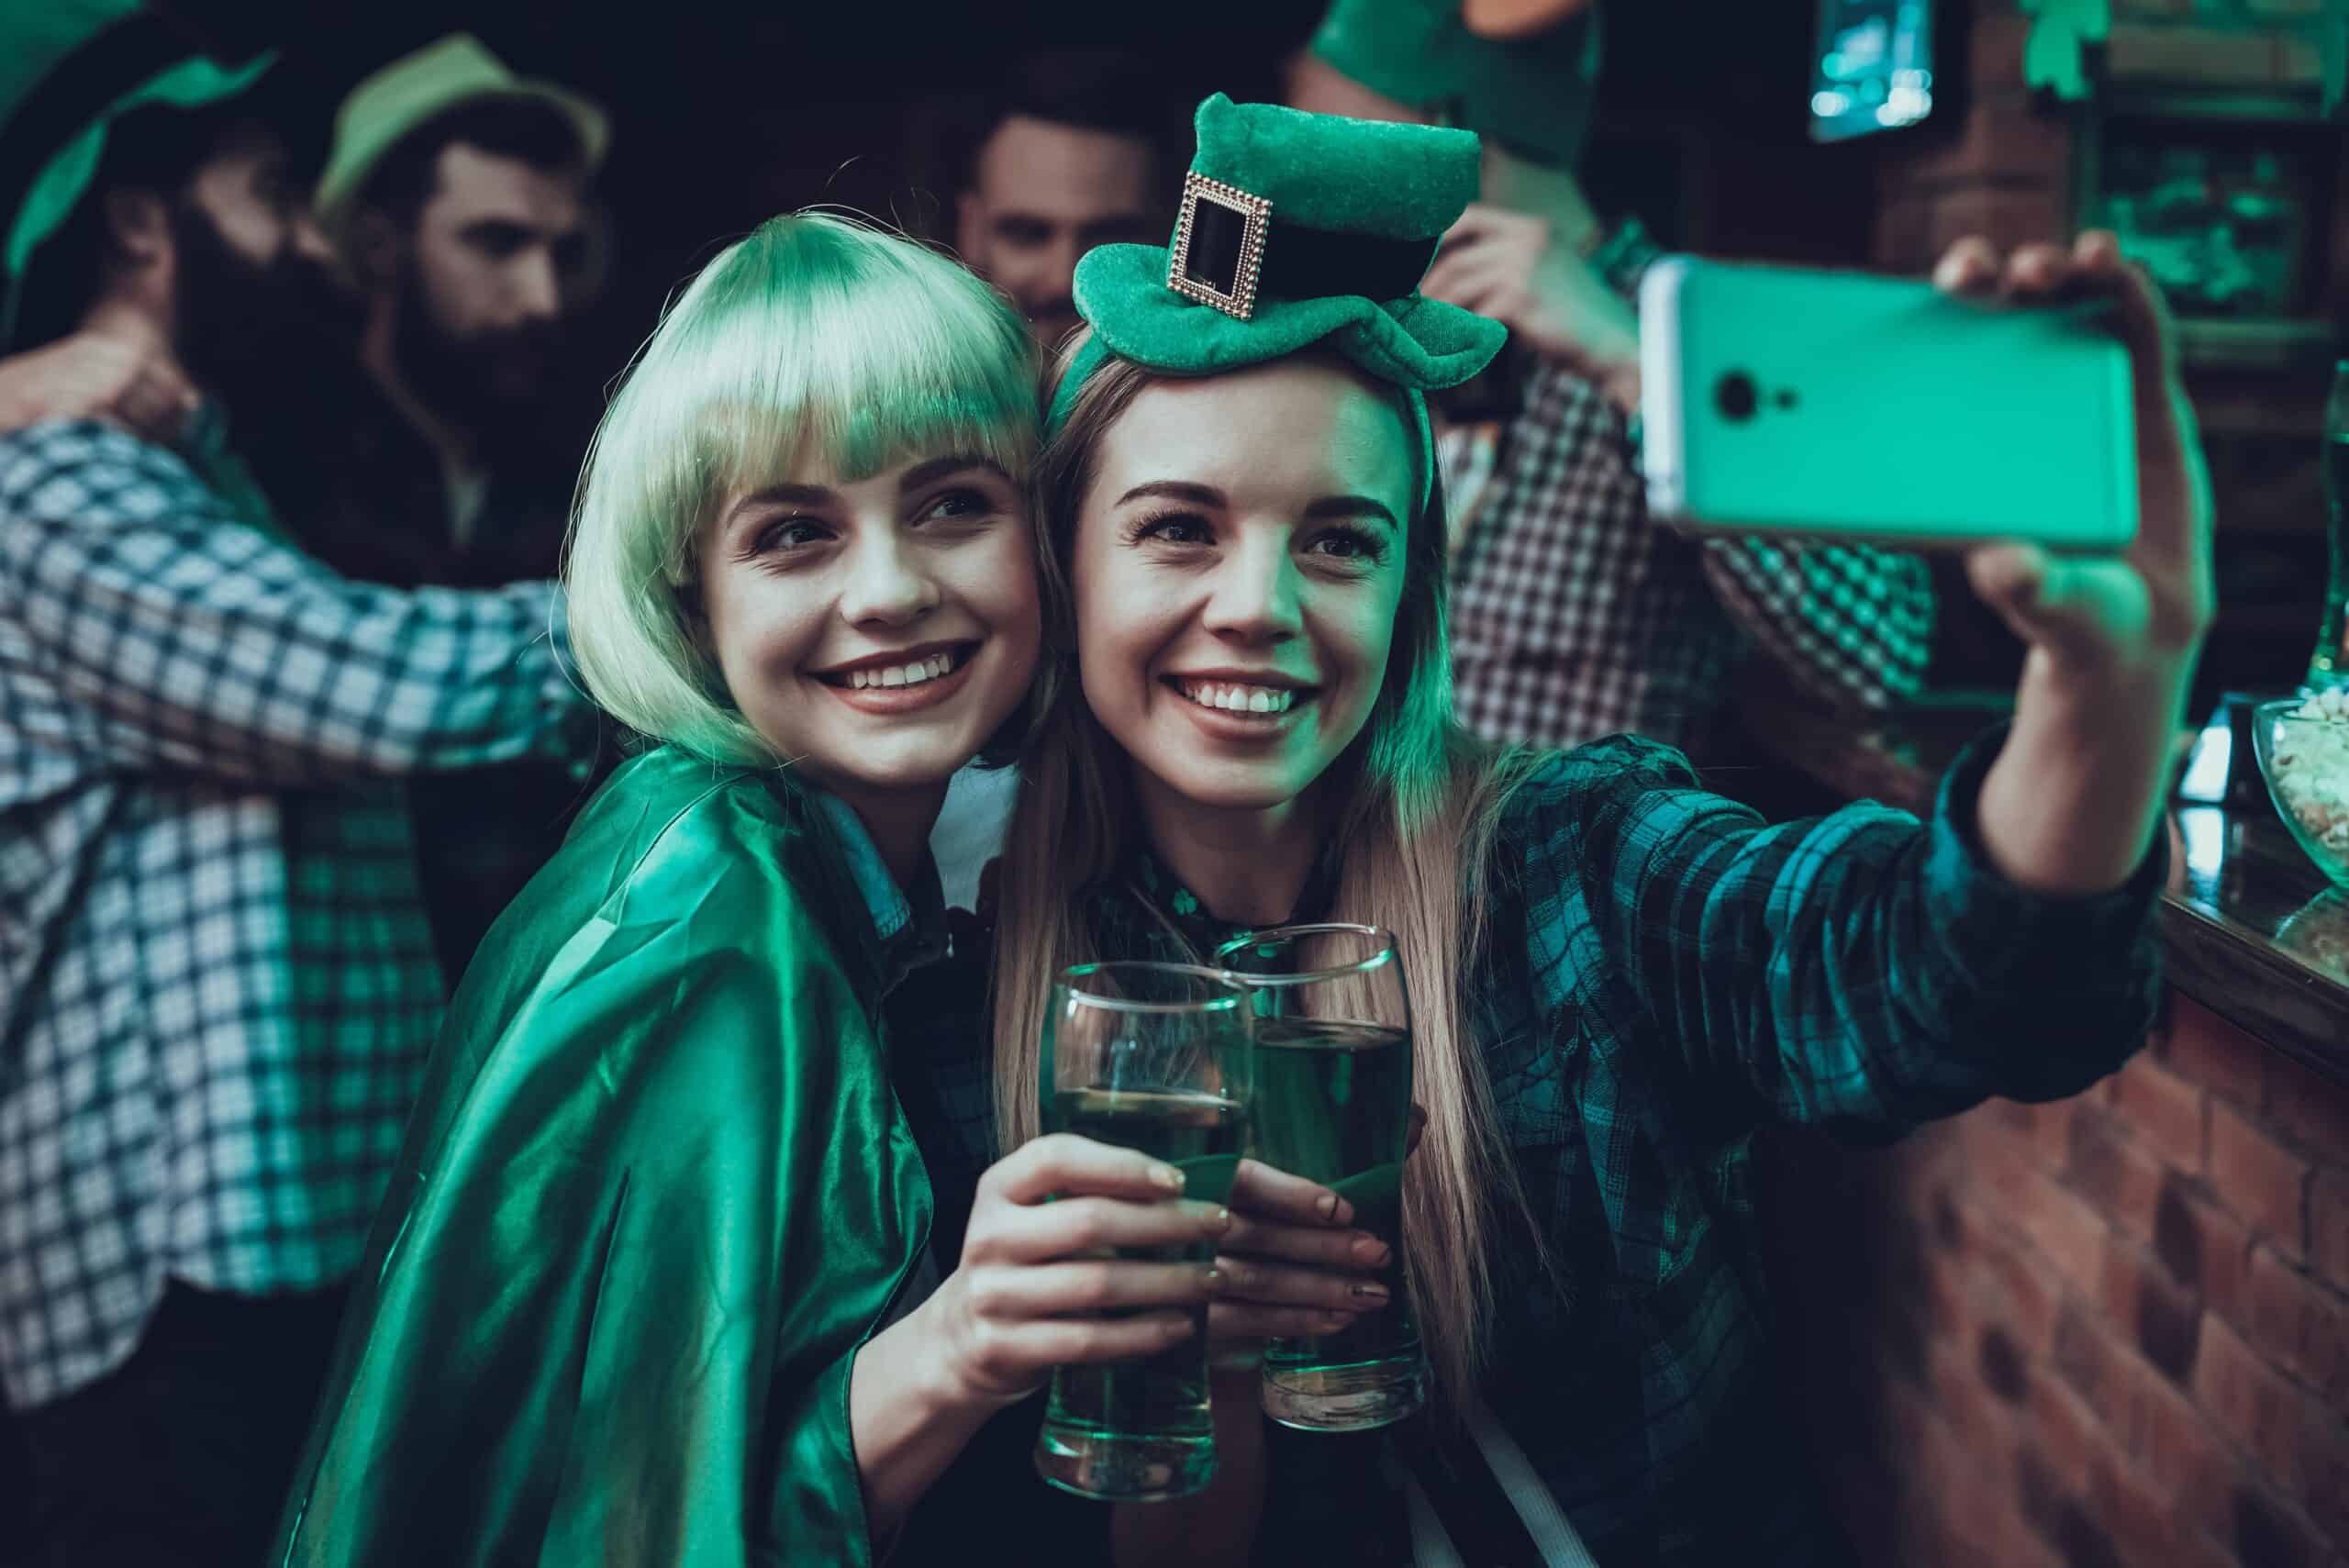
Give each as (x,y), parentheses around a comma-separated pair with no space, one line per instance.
(217,987)
(1665,974)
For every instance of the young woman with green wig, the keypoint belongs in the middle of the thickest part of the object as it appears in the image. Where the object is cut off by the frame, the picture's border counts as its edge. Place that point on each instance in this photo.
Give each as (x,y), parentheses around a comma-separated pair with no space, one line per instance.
(695,1254)
(1616,976)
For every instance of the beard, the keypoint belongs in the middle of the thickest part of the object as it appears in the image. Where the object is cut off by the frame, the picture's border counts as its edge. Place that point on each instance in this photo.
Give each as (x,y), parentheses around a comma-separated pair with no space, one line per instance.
(492,382)
(252,332)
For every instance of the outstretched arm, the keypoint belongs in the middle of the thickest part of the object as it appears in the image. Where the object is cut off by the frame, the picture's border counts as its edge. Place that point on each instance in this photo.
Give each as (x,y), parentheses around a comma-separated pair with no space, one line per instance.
(195,641)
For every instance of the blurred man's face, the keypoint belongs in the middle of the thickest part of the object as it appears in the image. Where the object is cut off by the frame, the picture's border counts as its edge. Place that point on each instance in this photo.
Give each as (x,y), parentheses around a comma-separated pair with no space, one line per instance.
(495,265)
(1042,194)
(255,303)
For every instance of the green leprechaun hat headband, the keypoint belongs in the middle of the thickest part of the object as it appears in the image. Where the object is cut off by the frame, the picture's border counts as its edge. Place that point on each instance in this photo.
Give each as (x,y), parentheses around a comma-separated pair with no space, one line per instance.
(1297,232)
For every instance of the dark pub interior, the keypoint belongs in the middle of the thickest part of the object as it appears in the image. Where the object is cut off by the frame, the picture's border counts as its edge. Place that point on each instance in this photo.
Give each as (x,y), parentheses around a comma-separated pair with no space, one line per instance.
(1434,782)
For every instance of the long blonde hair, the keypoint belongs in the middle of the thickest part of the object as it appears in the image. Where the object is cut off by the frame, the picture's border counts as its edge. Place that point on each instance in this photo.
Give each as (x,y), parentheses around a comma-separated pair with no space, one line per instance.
(1418,798)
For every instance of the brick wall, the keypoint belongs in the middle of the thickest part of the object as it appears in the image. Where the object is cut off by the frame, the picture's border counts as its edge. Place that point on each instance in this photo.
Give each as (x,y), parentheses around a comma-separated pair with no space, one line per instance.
(2108,1331)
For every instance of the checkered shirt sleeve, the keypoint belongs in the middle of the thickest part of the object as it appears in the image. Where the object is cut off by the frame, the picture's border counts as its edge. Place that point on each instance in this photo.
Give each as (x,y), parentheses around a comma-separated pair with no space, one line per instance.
(1573,616)
(1861,969)
(1851,624)
(181,637)
(217,987)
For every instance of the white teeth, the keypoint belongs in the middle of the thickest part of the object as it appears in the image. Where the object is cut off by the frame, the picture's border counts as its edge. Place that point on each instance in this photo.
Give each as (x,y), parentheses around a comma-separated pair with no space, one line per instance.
(912,674)
(1241,699)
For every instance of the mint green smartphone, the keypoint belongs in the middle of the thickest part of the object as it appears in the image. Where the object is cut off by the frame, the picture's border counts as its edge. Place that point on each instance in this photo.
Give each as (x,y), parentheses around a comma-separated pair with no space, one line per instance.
(1840,404)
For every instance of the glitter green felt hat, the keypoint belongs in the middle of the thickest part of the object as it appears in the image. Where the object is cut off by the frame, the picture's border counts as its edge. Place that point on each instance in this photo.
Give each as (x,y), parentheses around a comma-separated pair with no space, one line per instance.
(1297,232)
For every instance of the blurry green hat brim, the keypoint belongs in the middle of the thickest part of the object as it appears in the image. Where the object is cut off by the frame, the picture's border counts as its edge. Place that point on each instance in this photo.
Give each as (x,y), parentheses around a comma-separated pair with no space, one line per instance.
(191,83)
(1534,96)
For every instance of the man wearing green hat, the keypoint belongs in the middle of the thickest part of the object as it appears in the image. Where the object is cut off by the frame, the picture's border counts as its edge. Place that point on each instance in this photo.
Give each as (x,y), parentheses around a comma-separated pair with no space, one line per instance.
(216,989)
(1573,615)
(457,195)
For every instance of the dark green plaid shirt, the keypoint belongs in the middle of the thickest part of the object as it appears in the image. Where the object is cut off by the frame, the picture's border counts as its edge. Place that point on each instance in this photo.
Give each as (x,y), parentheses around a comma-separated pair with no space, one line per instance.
(1665,974)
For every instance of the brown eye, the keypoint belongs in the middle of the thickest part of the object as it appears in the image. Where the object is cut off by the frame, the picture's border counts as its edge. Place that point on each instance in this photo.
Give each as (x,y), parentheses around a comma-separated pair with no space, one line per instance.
(1347,544)
(1171,528)
(959,503)
(788,534)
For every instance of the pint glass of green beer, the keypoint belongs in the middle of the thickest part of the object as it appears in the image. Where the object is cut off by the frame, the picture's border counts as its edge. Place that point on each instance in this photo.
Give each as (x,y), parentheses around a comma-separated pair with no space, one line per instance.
(1334,1105)
(1156,1057)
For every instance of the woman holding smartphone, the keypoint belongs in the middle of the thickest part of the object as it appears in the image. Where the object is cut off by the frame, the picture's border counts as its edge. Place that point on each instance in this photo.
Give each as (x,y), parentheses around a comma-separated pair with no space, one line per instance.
(1616,977)
(686,1259)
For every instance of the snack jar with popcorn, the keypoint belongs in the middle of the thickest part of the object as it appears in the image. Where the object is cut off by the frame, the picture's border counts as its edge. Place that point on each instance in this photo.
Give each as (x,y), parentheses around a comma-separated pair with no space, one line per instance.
(2303,746)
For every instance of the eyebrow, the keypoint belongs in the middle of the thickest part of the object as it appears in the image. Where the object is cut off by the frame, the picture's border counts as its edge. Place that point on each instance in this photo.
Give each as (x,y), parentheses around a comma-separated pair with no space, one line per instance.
(1352,507)
(1320,510)
(783,496)
(938,468)
(1175,490)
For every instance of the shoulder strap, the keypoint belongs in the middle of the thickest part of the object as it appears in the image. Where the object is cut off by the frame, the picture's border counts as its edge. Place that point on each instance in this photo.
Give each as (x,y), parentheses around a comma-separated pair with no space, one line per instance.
(1481,1502)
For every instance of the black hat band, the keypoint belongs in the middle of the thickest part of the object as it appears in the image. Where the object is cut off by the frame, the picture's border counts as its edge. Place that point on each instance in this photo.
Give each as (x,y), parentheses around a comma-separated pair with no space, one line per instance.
(1229,253)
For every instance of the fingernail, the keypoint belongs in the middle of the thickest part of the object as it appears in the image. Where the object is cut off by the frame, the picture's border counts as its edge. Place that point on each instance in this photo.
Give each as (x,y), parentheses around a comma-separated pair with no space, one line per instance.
(1166,1176)
(1214,1280)
(1333,1321)
(1218,1222)
(1369,1290)
(1335,1210)
(1370,1251)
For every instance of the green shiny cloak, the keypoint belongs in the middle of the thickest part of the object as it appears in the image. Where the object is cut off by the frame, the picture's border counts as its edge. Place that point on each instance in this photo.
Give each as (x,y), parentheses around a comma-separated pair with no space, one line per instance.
(656,1193)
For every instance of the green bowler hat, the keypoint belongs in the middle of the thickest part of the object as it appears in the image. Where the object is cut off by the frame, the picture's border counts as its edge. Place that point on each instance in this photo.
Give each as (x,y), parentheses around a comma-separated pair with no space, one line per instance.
(1297,232)
(69,69)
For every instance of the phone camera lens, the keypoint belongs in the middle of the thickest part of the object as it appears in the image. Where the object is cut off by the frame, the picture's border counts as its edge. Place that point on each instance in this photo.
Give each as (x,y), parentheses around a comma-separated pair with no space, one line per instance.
(1737,396)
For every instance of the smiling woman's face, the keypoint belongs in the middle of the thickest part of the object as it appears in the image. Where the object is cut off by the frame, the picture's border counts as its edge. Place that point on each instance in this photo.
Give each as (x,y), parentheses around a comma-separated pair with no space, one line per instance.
(875,631)
(1237,563)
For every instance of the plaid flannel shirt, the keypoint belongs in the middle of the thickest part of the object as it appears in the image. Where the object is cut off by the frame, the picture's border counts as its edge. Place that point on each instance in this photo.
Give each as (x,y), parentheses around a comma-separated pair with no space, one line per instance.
(1664,975)
(1575,616)
(217,987)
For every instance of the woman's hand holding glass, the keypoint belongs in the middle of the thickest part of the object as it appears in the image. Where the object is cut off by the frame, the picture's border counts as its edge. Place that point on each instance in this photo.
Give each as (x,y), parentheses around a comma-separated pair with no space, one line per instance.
(1035,1289)
(1291,1262)
(1033,1292)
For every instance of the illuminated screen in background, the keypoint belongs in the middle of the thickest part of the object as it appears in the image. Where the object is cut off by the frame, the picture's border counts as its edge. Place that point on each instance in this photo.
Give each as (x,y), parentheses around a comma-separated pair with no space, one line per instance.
(1874,67)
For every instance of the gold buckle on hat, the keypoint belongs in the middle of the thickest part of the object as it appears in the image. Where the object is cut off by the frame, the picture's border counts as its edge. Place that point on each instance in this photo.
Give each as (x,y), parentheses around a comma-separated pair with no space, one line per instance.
(1234,295)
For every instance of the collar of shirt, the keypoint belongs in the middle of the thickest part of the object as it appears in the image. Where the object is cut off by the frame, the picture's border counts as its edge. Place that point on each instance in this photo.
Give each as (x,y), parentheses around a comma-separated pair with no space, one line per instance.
(912,930)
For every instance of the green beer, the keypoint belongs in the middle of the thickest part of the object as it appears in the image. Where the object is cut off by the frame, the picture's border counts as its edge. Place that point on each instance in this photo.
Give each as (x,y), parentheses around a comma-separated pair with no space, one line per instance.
(1151,1414)
(1333,1101)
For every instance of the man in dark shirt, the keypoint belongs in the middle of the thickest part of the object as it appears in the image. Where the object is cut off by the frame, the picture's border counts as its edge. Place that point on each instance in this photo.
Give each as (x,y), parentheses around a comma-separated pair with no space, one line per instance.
(458,197)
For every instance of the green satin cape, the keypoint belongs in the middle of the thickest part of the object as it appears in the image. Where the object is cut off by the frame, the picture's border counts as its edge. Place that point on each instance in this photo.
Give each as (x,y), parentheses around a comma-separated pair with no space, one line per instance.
(656,1193)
